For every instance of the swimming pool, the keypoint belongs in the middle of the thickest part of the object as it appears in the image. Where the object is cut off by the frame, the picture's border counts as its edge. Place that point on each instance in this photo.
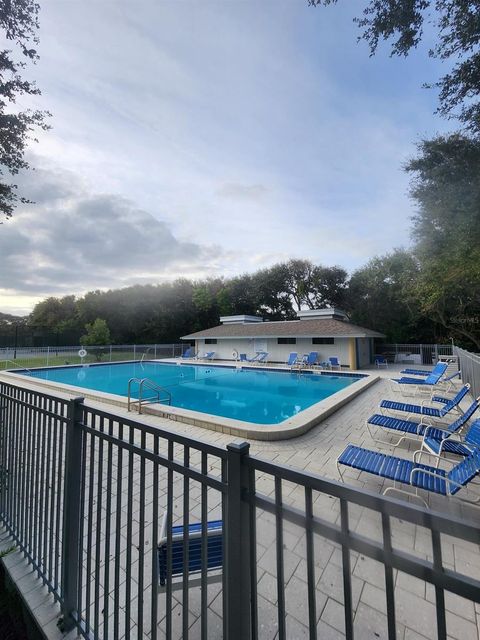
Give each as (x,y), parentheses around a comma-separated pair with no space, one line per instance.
(257,396)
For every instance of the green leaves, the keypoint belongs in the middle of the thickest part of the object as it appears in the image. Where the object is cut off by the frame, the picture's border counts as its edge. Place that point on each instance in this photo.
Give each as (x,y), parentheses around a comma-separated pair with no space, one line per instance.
(97,334)
(457,27)
(19,23)
(446,229)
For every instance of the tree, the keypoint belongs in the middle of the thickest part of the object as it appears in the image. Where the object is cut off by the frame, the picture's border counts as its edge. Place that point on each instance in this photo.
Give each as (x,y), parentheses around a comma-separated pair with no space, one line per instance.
(446,229)
(55,314)
(98,333)
(382,295)
(328,287)
(457,26)
(19,22)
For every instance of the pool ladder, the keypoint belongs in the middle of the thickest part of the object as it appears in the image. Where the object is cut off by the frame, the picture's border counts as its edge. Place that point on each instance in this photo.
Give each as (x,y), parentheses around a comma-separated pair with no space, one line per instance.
(150,385)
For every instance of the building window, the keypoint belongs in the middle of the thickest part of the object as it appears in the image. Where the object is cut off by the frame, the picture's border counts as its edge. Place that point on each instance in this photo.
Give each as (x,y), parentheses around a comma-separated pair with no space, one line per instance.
(323,341)
(286,341)
(210,341)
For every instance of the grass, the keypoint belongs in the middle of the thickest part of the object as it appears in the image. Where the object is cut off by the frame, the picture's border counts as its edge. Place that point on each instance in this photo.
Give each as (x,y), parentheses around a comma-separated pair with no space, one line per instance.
(67,358)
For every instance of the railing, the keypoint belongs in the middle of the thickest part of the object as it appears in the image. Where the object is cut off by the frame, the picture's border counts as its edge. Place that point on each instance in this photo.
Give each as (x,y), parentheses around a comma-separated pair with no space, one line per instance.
(414,353)
(469,365)
(57,356)
(145,383)
(83,492)
(16,365)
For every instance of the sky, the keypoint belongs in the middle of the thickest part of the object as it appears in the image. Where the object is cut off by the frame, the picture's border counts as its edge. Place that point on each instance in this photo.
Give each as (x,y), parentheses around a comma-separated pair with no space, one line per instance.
(208,138)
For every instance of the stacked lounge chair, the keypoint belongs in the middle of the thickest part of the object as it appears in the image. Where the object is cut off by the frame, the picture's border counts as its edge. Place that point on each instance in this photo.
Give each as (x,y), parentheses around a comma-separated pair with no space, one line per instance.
(309,359)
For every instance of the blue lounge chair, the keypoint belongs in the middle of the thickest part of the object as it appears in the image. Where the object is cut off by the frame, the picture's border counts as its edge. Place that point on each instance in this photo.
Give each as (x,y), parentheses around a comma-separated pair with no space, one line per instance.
(432,378)
(448,382)
(414,474)
(334,362)
(214,552)
(256,357)
(417,429)
(310,359)
(419,372)
(262,357)
(451,444)
(381,361)
(209,355)
(417,384)
(292,359)
(426,410)
(189,353)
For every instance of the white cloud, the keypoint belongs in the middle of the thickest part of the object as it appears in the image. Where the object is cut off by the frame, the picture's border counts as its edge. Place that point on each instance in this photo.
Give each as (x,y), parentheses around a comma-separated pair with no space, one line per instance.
(179,128)
(72,240)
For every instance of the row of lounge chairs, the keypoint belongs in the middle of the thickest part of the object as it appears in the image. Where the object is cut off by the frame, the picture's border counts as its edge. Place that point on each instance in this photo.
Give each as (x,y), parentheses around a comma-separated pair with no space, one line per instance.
(445,433)
(312,360)
(191,354)
(261,357)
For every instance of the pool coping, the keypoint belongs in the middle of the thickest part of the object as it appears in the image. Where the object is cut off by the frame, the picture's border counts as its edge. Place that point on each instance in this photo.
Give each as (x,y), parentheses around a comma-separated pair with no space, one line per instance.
(291,428)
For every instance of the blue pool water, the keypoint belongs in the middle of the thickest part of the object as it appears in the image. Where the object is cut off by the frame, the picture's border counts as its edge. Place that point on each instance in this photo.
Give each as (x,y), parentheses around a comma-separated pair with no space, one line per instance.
(259,396)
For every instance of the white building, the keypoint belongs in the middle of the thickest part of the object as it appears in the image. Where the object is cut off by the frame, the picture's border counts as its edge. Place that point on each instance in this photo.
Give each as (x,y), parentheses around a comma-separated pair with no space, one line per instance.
(327,331)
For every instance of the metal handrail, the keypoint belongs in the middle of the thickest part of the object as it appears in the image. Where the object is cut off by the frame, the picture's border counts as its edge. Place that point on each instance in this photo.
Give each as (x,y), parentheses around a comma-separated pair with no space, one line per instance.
(144,354)
(146,383)
(18,365)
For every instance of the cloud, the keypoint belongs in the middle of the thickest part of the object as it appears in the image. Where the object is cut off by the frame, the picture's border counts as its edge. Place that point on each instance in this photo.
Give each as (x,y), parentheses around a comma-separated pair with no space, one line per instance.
(180,128)
(236,191)
(71,240)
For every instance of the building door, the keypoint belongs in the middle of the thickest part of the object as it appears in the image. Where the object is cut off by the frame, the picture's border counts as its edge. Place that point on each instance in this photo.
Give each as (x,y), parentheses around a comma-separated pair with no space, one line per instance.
(259,344)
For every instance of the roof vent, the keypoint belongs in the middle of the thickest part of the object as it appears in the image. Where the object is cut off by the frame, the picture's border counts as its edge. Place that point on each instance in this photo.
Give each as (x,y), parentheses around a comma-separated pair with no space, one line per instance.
(332,313)
(242,319)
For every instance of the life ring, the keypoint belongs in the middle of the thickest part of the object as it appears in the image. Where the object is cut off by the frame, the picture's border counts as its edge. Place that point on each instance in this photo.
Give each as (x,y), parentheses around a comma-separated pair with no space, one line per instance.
(235,354)
(82,353)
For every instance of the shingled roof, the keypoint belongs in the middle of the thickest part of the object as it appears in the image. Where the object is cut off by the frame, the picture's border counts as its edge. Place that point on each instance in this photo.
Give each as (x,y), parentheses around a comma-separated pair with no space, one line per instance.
(314,328)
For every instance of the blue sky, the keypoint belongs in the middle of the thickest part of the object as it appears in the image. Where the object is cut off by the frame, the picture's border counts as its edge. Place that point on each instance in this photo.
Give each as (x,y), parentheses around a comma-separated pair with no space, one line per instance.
(211,138)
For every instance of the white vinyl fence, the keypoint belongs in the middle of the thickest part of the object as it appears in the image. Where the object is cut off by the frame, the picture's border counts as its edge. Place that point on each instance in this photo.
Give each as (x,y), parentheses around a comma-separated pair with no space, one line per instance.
(426,354)
(469,365)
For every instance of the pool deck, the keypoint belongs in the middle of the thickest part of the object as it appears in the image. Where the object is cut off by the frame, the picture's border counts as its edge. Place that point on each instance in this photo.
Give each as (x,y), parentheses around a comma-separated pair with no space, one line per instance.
(316,452)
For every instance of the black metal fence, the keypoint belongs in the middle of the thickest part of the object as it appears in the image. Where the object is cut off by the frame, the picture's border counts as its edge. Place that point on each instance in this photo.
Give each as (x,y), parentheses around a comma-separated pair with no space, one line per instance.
(83,492)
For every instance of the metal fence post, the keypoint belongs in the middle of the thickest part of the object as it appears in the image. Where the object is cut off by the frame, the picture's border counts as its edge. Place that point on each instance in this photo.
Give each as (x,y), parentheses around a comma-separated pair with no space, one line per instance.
(71,513)
(134,351)
(237,545)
